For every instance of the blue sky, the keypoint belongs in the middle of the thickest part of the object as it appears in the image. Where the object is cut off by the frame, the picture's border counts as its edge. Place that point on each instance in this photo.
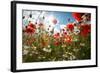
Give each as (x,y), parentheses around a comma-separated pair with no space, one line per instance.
(63,18)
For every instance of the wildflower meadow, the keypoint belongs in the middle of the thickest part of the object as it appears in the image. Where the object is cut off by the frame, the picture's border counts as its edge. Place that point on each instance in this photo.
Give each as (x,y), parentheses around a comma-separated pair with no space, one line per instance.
(55,36)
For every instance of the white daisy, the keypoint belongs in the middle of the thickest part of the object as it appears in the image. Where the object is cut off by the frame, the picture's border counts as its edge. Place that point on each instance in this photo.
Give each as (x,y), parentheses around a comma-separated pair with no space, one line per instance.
(47,50)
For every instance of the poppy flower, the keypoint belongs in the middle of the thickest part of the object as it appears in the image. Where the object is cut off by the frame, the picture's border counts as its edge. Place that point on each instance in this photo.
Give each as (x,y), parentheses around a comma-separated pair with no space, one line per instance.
(85,30)
(30,28)
(56,36)
(77,16)
(56,43)
(68,39)
(32,25)
(70,27)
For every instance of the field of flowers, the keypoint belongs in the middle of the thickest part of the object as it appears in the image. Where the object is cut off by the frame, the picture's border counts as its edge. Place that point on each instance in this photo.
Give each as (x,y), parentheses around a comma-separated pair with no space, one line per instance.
(73,42)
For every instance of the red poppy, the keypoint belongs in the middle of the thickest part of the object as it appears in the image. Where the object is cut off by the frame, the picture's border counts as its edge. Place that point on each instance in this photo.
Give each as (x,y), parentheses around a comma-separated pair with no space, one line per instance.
(85,29)
(70,27)
(68,39)
(32,25)
(30,28)
(56,43)
(56,36)
(77,16)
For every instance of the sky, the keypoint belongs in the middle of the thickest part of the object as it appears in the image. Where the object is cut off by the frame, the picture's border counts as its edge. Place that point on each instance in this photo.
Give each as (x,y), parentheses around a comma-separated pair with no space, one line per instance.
(63,18)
